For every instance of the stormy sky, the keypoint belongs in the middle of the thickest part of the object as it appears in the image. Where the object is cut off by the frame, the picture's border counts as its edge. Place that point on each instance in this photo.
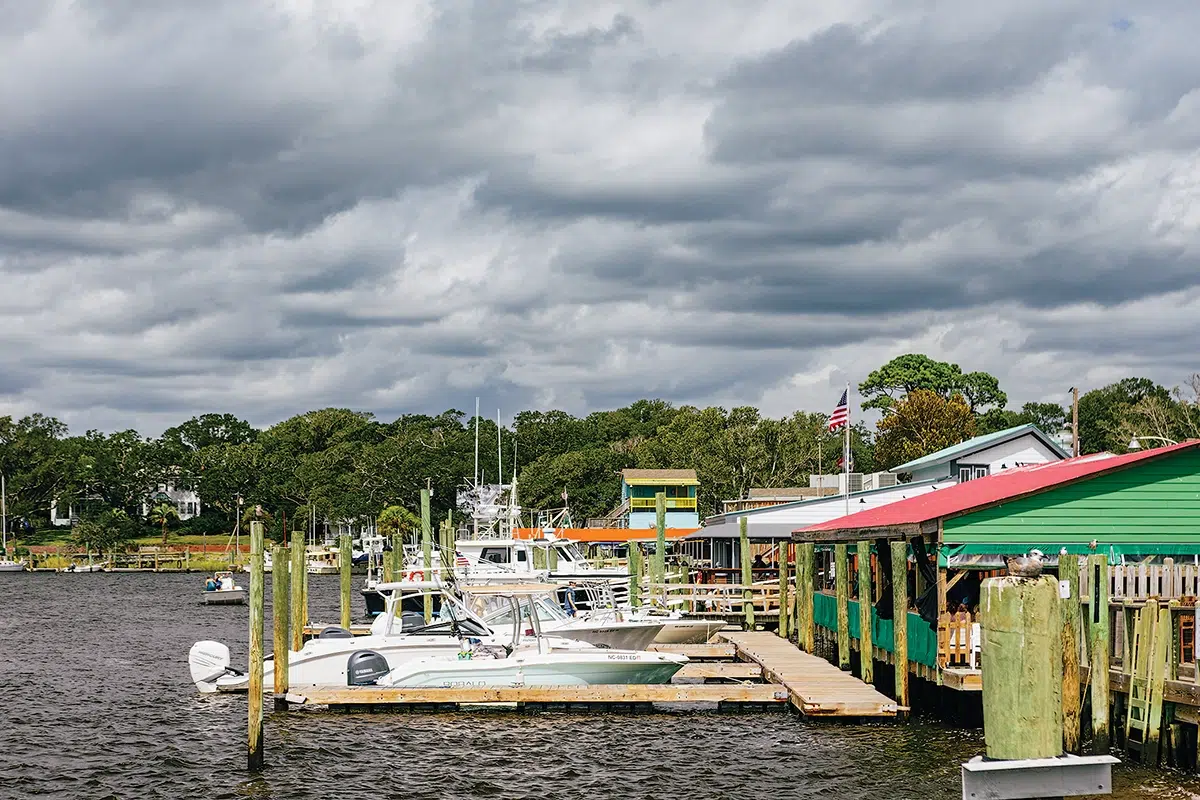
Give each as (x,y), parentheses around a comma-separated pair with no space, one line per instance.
(268,207)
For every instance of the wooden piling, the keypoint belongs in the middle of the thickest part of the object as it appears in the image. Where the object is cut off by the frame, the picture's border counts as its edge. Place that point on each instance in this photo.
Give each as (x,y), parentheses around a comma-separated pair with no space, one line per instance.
(427,551)
(296,614)
(345,559)
(254,733)
(805,625)
(660,541)
(397,556)
(841,576)
(866,657)
(782,560)
(281,620)
(1068,575)
(635,574)
(747,575)
(552,557)
(900,618)
(1097,628)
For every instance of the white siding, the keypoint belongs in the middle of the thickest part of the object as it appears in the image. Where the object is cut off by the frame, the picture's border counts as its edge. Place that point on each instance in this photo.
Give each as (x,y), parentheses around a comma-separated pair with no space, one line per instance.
(1026,449)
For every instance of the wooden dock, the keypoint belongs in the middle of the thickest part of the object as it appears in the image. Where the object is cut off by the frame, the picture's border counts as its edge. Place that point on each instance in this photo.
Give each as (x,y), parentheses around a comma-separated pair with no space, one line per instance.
(814,686)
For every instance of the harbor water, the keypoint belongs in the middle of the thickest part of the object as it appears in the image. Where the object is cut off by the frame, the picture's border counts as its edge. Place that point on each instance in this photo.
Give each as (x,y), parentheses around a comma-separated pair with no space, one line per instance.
(95,702)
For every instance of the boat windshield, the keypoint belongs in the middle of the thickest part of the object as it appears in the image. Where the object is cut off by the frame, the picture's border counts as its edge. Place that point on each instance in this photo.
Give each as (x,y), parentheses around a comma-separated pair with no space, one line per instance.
(498,611)
(570,551)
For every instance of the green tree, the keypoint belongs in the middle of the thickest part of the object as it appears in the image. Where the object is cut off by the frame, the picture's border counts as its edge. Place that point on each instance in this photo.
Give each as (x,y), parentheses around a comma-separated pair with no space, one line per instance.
(1102,410)
(923,423)
(162,514)
(905,374)
(399,520)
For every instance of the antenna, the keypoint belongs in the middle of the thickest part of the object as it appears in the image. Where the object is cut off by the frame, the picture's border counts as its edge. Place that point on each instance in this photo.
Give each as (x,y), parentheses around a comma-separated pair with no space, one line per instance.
(477,442)
(499,452)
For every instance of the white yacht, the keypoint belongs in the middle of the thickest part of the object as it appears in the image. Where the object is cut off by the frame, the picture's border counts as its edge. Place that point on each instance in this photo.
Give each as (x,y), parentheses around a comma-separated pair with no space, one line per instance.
(8,565)
(403,650)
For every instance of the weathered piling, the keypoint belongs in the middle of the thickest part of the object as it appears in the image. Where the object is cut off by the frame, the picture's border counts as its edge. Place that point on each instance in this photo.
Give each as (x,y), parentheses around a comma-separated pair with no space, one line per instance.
(866,656)
(805,624)
(900,618)
(635,574)
(254,737)
(281,620)
(426,550)
(841,577)
(1068,576)
(297,615)
(660,541)
(1021,629)
(782,560)
(1097,627)
(747,575)
(397,556)
(552,557)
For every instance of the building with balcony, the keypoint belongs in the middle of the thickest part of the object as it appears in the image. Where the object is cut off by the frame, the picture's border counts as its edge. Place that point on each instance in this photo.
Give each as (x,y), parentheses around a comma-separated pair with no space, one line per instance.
(639,486)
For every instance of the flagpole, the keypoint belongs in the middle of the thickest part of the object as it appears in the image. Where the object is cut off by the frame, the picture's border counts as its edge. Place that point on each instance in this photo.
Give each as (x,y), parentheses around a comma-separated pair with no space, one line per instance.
(846,451)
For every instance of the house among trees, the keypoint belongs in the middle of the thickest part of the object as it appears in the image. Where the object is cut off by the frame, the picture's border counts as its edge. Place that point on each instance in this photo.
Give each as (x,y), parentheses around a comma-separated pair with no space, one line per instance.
(185,501)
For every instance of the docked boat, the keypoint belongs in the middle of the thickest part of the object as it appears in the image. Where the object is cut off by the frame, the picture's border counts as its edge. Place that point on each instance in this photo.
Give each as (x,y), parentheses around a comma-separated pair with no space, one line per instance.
(402,647)
(220,590)
(8,565)
(323,561)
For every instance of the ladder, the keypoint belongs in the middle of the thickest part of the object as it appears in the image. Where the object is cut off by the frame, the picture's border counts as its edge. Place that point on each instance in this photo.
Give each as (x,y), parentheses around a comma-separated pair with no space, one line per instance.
(1148,651)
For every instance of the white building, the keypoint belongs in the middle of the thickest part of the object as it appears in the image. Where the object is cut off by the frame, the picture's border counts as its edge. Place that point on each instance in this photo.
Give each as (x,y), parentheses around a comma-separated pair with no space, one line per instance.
(986,455)
(185,501)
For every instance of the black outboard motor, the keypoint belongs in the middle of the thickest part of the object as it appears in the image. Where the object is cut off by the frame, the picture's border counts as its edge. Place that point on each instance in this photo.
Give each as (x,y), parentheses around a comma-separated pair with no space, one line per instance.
(365,667)
(334,632)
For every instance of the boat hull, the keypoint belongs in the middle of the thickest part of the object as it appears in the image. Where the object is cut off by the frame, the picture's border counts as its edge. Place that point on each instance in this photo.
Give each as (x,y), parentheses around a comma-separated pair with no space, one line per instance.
(12,566)
(687,631)
(617,636)
(224,597)
(538,670)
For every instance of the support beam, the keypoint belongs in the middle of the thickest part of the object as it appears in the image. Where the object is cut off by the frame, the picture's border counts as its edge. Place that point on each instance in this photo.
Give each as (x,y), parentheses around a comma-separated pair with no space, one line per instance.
(345,559)
(841,575)
(281,621)
(660,542)
(782,559)
(297,616)
(1097,627)
(397,556)
(866,655)
(805,626)
(900,618)
(747,574)
(635,574)
(254,729)
(1068,576)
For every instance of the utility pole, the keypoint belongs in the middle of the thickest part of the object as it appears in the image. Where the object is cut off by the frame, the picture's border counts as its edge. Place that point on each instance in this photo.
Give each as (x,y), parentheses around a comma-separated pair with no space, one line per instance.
(1074,421)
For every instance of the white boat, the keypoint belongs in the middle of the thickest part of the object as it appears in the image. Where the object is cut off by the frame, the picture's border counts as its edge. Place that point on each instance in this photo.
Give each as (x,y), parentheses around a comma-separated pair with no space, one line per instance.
(267,563)
(223,591)
(8,565)
(90,566)
(323,561)
(402,645)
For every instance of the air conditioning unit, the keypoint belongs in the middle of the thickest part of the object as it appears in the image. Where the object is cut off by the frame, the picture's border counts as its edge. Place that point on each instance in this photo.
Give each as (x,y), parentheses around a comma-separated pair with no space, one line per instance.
(879,480)
(856,482)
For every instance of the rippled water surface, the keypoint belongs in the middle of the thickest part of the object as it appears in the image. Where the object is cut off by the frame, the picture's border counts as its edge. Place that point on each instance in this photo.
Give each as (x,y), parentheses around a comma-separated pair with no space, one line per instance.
(95,701)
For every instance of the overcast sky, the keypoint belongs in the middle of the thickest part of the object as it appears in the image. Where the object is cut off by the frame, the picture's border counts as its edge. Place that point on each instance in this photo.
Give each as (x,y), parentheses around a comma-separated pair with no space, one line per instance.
(268,207)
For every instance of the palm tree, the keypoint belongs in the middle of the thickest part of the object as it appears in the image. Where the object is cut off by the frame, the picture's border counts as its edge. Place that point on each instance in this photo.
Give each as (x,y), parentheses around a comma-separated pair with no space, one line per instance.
(162,514)
(398,519)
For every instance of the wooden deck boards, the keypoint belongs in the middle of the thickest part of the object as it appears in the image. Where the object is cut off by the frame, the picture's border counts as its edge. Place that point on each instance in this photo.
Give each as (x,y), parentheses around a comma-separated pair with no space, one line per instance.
(814,686)
(549,695)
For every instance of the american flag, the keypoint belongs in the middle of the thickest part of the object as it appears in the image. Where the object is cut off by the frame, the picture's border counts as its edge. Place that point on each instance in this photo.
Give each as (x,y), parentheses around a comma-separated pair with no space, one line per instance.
(460,560)
(842,462)
(841,414)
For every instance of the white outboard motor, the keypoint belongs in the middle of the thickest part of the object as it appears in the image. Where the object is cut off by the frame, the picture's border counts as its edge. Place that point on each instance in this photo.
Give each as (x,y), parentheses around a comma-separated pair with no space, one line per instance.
(209,662)
(365,667)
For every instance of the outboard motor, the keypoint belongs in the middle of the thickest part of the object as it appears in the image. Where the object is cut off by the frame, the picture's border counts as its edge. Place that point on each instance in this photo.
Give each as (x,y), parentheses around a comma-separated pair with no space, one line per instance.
(334,632)
(365,667)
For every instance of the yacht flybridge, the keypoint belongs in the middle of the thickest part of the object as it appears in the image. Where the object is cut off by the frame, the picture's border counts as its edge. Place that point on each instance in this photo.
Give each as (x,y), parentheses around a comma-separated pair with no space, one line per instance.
(454,648)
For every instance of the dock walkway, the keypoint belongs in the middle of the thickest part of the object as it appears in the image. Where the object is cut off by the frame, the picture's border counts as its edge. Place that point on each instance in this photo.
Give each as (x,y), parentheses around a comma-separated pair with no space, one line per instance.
(814,686)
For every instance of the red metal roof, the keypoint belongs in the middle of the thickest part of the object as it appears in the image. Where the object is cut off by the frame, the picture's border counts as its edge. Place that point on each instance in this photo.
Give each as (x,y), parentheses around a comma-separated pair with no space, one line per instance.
(993,489)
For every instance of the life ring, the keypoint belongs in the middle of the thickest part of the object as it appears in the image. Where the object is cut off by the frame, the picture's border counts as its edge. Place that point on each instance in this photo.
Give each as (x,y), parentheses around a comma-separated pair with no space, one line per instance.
(416,575)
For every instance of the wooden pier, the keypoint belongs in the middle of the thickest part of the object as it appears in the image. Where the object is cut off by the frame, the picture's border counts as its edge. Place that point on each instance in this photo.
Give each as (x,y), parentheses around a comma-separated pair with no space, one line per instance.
(814,686)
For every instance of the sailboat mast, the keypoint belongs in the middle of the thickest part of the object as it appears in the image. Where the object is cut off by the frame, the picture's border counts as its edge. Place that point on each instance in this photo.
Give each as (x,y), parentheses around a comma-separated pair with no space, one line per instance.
(499,452)
(476,441)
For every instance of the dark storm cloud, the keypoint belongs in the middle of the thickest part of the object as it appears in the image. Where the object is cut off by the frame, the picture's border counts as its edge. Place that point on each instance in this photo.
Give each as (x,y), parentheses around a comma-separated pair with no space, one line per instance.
(264,208)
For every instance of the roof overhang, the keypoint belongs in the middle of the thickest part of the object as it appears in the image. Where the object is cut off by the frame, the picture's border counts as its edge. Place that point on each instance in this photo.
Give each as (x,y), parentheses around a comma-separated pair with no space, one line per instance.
(662,481)
(904,531)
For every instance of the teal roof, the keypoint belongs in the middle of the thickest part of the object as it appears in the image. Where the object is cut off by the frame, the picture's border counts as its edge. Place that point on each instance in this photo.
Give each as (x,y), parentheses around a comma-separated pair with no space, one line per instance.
(976,444)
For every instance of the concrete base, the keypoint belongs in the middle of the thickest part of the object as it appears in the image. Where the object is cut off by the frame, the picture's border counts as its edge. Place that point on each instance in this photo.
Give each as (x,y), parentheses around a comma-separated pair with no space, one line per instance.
(1026,779)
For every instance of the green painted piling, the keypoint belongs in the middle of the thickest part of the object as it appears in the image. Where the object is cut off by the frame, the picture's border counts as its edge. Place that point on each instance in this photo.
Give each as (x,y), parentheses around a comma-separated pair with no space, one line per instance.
(1021,633)
(660,542)
(427,550)
(784,598)
(397,556)
(900,618)
(1097,628)
(345,559)
(841,577)
(297,617)
(805,624)
(635,575)
(747,575)
(866,656)
(254,737)
(1068,575)
(281,620)
(552,557)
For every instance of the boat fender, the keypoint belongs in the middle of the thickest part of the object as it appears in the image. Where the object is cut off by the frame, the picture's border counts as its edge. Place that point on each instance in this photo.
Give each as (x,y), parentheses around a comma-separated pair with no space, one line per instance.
(365,668)
(334,632)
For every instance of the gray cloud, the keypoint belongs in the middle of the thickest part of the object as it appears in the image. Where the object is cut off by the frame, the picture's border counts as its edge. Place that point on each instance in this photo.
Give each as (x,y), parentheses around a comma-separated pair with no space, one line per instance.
(265,208)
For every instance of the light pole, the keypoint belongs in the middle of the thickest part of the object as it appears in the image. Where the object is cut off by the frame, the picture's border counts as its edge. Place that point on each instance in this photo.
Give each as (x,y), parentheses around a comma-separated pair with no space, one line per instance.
(1136,442)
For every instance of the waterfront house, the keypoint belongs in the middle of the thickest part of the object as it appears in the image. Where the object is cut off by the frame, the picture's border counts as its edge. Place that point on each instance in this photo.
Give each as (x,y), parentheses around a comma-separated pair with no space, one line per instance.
(638,490)
(1021,446)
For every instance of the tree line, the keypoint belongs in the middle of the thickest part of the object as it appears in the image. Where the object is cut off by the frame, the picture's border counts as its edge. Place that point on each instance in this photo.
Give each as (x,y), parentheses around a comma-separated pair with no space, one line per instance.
(348,465)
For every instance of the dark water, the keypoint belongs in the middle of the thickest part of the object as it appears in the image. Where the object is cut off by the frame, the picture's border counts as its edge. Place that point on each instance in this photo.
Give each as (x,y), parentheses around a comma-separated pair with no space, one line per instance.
(95,702)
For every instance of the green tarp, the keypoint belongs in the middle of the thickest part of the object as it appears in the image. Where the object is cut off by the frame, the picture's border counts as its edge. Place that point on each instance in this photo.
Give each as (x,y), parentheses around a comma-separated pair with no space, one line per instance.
(1131,552)
(922,639)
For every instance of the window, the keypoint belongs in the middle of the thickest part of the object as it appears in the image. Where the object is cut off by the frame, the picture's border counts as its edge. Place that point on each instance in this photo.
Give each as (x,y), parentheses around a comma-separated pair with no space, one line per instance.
(495,555)
(968,472)
(521,556)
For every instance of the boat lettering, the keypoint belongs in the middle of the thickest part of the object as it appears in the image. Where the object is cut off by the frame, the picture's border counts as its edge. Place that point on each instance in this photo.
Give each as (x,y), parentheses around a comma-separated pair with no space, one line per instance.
(464,684)
(619,657)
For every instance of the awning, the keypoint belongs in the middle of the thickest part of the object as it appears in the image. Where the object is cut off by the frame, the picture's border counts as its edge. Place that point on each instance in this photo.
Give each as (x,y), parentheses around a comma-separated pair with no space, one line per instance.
(771,531)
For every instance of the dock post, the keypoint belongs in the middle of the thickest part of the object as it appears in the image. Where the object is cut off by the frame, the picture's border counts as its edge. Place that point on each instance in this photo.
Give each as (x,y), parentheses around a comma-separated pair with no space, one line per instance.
(254,739)
(660,543)
(866,654)
(1068,574)
(784,599)
(345,557)
(635,574)
(841,570)
(1098,652)
(552,557)
(296,616)
(397,556)
(900,618)
(747,575)
(281,620)
(805,626)
(426,551)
